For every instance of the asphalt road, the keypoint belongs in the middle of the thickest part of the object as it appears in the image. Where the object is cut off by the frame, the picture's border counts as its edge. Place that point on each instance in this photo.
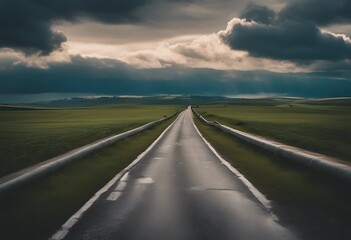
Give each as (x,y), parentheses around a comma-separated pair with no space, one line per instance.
(180,190)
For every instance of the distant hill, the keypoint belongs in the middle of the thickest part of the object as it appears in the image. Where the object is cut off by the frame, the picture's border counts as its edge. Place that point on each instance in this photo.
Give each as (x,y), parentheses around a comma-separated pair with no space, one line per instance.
(329,101)
(172,99)
(161,99)
(16,108)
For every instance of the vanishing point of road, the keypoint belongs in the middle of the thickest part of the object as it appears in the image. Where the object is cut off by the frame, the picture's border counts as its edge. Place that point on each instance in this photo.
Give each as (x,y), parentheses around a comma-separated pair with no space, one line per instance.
(179,190)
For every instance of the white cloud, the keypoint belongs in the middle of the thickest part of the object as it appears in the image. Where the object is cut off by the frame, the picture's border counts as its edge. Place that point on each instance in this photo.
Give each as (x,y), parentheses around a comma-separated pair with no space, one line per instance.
(204,51)
(338,35)
(12,57)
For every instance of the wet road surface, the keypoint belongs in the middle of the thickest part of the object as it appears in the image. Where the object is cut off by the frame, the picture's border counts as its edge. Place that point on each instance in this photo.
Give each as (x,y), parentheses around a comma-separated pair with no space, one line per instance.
(180,190)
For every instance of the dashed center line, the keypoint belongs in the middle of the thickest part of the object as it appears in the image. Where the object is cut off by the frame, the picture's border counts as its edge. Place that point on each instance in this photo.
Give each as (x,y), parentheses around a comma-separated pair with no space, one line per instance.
(125,177)
(114,196)
(119,188)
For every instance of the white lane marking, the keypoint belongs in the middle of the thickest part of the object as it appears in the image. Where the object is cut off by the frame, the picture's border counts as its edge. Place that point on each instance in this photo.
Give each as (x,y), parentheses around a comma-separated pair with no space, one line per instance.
(64,230)
(258,195)
(114,196)
(146,180)
(60,234)
(70,223)
(125,177)
(121,186)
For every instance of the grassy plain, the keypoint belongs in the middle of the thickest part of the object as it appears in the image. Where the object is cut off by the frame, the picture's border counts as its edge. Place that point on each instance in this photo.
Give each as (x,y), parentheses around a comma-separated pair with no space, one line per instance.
(321,128)
(38,209)
(29,136)
(318,205)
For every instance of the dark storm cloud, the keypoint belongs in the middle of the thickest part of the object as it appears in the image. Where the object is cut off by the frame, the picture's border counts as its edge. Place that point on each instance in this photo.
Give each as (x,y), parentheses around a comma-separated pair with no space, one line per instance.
(322,12)
(89,75)
(26,26)
(258,13)
(289,40)
(293,33)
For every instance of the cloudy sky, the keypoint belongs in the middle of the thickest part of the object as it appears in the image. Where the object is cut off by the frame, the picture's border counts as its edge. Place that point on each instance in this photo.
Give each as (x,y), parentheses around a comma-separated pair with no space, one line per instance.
(143,47)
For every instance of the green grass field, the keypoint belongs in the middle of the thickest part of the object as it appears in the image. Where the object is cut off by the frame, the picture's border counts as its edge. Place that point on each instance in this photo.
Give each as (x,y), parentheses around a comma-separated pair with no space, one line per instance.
(306,197)
(321,128)
(38,209)
(28,136)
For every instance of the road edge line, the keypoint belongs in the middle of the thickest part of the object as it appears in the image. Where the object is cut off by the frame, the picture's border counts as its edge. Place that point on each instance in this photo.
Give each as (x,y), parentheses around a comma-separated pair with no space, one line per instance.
(65,228)
(257,194)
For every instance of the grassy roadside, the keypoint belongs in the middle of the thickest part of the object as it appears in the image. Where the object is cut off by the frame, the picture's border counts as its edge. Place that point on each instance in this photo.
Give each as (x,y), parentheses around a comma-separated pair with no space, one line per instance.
(33,135)
(319,128)
(314,204)
(37,210)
